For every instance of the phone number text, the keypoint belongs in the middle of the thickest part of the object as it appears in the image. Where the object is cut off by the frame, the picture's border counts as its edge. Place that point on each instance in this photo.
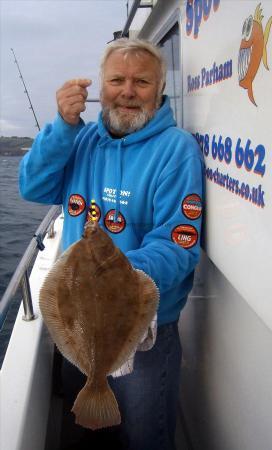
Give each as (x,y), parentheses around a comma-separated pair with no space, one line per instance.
(225,150)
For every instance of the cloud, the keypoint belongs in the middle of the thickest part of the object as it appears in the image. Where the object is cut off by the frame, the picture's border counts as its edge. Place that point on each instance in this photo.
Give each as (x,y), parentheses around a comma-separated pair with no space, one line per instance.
(54,41)
(12,128)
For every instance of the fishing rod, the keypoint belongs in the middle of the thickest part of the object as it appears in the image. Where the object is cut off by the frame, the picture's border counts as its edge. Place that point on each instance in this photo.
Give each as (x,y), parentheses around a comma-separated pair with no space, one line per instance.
(26,91)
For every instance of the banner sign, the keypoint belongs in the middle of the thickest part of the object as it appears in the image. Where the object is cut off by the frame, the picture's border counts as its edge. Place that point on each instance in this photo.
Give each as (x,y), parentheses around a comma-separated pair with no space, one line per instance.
(227,105)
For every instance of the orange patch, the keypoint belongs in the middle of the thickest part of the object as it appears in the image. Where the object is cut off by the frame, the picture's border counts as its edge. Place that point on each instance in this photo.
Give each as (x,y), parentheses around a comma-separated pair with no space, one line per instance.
(76,205)
(192,206)
(185,235)
(111,225)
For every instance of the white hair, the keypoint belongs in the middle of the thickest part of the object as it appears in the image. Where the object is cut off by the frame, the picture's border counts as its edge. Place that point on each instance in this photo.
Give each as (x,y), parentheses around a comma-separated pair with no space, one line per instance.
(126,45)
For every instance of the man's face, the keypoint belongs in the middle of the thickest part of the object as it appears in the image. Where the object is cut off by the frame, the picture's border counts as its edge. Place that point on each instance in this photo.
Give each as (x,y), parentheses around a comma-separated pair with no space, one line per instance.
(129,94)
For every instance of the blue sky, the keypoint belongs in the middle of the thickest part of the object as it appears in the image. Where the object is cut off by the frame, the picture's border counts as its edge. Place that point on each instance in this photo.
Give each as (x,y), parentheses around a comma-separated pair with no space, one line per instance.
(54,41)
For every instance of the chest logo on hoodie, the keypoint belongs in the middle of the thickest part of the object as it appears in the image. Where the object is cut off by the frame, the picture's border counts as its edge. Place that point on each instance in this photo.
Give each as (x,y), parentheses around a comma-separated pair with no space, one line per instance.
(111,225)
(185,235)
(192,206)
(76,205)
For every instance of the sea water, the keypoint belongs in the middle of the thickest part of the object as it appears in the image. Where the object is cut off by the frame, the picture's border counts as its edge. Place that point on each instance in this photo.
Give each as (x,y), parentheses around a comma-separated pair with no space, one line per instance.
(19,220)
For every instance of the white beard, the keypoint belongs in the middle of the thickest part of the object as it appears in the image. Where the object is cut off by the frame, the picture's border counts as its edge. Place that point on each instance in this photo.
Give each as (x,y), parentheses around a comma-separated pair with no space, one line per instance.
(120,123)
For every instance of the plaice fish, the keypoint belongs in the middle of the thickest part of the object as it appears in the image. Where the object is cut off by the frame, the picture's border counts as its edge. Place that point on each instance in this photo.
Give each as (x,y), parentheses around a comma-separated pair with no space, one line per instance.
(97,309)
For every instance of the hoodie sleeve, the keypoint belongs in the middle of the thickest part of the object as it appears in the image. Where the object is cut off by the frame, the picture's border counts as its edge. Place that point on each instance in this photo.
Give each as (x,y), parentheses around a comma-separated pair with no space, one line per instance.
(171,250)
(42,169)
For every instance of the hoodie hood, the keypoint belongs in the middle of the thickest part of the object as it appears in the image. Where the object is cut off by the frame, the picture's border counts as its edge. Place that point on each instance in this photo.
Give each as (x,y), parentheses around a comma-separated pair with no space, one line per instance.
(162,119)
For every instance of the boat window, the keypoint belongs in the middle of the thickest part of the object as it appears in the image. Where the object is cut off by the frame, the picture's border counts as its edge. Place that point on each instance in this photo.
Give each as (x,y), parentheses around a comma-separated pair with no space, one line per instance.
(170,49)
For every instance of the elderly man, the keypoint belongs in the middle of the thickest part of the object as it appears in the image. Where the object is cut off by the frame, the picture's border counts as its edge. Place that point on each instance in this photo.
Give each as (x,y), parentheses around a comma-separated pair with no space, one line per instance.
(146,177)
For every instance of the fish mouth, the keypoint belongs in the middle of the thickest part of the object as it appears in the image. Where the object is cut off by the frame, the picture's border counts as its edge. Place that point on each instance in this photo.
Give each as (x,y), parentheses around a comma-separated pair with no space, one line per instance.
(243,62)
(90,228)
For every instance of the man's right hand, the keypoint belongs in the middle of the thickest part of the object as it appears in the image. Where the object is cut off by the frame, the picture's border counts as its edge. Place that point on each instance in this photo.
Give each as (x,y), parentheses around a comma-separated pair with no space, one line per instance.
(71,99)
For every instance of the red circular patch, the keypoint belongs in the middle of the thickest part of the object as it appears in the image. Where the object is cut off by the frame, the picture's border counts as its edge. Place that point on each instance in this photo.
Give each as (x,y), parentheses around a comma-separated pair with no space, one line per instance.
(93,208)
(192,206)
(114,227)
(185,235)
(76,205)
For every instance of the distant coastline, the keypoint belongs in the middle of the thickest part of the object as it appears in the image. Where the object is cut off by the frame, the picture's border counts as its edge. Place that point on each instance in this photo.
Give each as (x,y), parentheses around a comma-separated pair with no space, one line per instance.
(15,145)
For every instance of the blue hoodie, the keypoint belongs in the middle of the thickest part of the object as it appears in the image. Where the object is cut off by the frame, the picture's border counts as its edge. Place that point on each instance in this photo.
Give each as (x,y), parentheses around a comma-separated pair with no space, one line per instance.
(145,188)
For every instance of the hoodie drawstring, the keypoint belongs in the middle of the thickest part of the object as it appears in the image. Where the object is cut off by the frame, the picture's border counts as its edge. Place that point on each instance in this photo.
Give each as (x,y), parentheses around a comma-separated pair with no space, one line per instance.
(117,180)
(93,156)
(118,183)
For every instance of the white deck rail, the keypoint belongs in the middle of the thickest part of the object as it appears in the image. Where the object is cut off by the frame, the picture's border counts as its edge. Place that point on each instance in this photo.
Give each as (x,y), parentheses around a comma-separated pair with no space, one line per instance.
(25,376)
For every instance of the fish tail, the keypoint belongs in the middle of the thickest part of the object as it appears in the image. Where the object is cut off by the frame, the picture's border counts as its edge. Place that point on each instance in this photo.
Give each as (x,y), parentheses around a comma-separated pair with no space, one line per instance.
(266,36)
(96,407)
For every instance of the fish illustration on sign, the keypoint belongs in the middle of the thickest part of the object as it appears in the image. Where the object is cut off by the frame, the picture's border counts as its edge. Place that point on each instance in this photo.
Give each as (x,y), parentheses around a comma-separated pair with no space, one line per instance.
(97,308)
(252,50)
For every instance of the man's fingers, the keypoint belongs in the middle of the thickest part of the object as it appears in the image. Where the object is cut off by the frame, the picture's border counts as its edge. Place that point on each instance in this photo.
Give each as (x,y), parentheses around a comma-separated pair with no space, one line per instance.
(82,82)
(72,109)
(71,99)
(75,108)
(74,91)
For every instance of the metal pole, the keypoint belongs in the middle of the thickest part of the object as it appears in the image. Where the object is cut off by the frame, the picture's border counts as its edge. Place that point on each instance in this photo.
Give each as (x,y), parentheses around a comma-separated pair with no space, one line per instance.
(92,100)
(23,265)
(136,4)
(27,299)
(130,18)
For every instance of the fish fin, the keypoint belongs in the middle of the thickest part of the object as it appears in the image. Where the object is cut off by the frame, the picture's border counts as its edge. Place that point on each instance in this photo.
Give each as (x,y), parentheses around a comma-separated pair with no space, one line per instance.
(149,287)
(266,36)
(61,335)
(126,368)
(250,95)
(149,294)
(96,407)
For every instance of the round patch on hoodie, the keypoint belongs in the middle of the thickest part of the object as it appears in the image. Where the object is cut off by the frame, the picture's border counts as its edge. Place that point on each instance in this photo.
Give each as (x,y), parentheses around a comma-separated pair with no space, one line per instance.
(192,206)
(185,235)
(111,225)
(76,205)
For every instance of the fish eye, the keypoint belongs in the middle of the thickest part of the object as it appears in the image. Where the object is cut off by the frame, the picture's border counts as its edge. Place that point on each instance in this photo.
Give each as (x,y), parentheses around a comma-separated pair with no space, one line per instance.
(244,28)
(247,28)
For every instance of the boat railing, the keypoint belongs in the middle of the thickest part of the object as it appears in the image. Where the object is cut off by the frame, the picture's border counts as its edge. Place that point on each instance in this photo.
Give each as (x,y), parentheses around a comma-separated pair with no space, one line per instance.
(20,277)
